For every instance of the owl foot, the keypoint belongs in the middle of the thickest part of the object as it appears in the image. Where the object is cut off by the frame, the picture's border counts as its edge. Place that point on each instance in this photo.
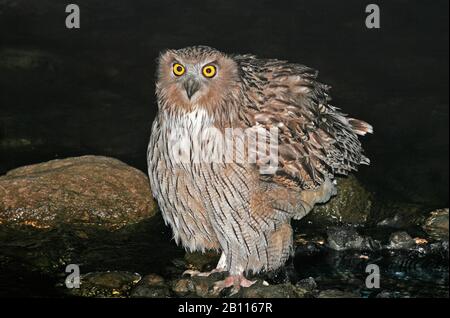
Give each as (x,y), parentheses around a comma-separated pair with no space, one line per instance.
(234,281)
(194,273)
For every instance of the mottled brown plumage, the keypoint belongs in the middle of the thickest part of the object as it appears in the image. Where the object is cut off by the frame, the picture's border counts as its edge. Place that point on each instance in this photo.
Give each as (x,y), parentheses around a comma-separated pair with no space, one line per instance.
(236,206)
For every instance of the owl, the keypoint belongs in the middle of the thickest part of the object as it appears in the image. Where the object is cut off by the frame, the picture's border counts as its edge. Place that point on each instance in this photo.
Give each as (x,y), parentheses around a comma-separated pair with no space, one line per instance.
(239,147)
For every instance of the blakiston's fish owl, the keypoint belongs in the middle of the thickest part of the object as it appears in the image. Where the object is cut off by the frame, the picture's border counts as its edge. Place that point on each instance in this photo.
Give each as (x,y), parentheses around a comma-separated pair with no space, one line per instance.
(214,200)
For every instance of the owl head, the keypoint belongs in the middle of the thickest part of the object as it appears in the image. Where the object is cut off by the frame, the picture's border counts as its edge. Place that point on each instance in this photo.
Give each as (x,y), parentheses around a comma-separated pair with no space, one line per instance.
(195,77)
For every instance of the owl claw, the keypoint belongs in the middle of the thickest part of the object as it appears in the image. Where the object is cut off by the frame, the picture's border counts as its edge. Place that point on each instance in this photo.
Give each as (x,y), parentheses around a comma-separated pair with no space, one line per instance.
(234,281)
(194,273)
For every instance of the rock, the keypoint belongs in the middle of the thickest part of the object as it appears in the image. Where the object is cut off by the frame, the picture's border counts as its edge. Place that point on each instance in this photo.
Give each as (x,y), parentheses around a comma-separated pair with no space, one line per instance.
(436,225)
(106,284)
(401,240)
(152,280)
(306,288)
(397,215)
(258,290)
(308,284)
(389,294)
(151,286)
(396,222)
(183,287)
(440,248)
(204,287)
(201,261)
(351,205)
(347,238)
(334,293)
(309,249)
(197,286)
(86,190)
(142,291)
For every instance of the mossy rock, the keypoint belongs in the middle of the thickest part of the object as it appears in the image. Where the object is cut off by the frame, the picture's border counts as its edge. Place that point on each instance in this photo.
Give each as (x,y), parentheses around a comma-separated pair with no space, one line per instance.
(351,205)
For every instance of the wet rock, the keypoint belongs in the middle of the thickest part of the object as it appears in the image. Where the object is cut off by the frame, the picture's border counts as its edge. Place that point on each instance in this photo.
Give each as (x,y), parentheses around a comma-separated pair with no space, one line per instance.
(309,249)
(308,284)
(436,225)
(401,240)
(397,215)
(197,286)
(150,292)
(201,261)
(152,280)
(106,284)
(87,190)
(259,290)
(204,286)
(392,294)
(183,287)
(151,286)
(351,205)
(440,247)
(306,288)
(347,238)
(335,293)
(396,222)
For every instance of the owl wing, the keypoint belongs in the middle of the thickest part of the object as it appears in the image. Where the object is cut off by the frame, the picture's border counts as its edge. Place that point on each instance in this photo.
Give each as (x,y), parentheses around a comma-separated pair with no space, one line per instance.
(315,140)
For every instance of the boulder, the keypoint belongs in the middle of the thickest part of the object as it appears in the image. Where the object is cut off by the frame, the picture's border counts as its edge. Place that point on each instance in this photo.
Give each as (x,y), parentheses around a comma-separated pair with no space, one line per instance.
(106,284)
(347,238)
(201,261)
(335,293)
(401,240)
(351,205)
(151,286)
(436,225)
(88,190)
(261,290)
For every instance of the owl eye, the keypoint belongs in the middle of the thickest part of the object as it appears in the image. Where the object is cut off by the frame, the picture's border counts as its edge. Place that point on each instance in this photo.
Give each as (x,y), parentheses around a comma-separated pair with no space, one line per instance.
(209,71)
(178,69)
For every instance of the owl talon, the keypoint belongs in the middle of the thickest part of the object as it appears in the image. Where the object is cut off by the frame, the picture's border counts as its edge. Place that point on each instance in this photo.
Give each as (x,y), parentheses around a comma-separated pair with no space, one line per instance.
(194,273)
(191,273)
(235,281)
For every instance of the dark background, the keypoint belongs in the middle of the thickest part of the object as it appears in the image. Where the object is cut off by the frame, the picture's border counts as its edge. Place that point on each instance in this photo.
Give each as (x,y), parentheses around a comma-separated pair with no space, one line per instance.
(91,91)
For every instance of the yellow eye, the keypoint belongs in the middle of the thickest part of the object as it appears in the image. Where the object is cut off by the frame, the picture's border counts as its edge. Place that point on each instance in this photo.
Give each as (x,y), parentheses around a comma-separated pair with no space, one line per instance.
(178,69)
(209,71)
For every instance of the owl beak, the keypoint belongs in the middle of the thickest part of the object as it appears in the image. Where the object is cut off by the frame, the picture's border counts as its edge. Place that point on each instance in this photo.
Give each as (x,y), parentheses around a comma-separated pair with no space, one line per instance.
(191,86)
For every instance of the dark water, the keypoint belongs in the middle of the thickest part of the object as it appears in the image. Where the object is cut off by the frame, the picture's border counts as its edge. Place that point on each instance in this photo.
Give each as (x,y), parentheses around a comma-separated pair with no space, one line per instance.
(419,272)
(91,91)
(32,263)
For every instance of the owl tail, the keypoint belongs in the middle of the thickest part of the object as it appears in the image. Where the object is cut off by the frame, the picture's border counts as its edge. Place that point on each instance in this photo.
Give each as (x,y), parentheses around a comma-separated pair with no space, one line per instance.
(360,127)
